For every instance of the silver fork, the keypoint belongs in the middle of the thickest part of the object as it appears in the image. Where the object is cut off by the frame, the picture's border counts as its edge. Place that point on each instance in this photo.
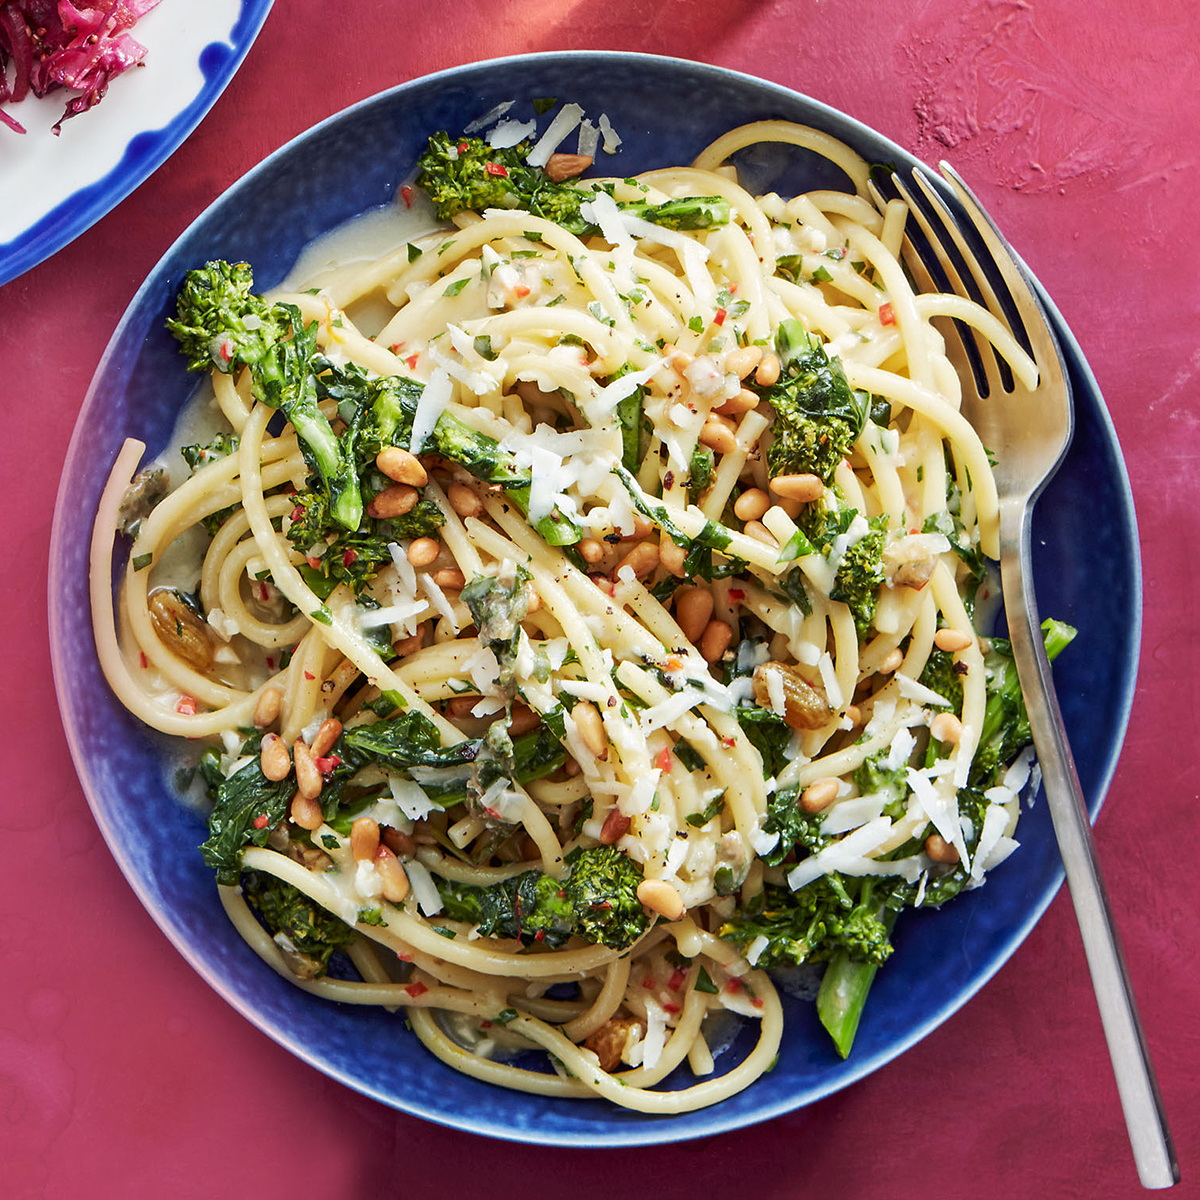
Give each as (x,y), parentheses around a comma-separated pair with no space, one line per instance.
(1029,430)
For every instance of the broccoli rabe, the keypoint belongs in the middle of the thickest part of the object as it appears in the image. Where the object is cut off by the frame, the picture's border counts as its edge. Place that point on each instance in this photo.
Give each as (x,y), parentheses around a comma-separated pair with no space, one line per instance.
(1005,729)
(873,776)
(309,934)
(466,174)
(831,915)
(818,416)
(596,900)
(860,571)
(220,322)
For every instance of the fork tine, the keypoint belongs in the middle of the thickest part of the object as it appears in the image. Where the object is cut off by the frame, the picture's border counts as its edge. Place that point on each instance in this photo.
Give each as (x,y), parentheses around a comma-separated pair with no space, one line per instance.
(1036,328)
(978,286)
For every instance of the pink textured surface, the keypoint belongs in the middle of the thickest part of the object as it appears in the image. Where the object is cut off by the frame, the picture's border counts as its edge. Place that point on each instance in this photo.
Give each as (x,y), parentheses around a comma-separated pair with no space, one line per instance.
(122,1075)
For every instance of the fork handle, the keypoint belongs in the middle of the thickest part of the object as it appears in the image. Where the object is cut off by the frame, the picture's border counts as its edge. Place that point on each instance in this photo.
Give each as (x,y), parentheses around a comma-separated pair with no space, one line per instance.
(1153,1150)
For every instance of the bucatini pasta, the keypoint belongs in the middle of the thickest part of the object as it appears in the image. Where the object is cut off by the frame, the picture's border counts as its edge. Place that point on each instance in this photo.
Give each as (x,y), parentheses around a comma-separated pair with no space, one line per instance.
(571,648)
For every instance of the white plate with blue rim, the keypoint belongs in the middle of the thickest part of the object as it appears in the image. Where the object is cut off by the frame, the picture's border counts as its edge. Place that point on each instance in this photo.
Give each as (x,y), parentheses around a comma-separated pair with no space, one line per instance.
(53,188)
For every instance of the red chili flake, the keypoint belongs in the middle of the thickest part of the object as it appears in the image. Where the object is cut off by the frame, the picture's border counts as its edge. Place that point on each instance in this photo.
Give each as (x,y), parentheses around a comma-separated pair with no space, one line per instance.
(663,761)
(521,289)
(227,350)
(648,983)
(496,169)
(260,822)
(540,936)
(733,287)
(734,986)
(463,147)
(406,194)
(719,319)
(756,1002)
(328,764)
(270,662)
(736,594)
(678,978)
(416,989)
(485,1024)
(728,741)
(404,957)
(886,315)
(145,662)
(264,592)
(396,347)
(349,557)
(297,513)
(412,362)
(186,706)
(309,675)
(671,1007)
(314,562)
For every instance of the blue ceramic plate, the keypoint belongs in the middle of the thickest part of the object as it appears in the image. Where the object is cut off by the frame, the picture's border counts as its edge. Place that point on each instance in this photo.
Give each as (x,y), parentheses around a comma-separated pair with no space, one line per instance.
(666,111)
(54,188)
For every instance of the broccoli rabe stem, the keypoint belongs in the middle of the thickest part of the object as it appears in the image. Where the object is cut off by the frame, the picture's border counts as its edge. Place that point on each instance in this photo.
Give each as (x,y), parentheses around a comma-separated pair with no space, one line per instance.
(842,998)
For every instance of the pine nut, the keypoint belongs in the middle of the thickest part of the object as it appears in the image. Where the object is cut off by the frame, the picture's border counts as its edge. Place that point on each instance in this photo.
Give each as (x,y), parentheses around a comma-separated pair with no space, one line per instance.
(591,550)
(450,578)
(768,370)
(643,527)
(391,875)
(693,611)
(760,533)
(946,727)
(273,758)
(715,640)
(308,777)
(854,713)
(940,850)
(744,401)
(327,734)
(591,728)
(395,501)
(463,500)
(567,166)
(751,505)
(267,708)
(952,640)
(743,360)
(642,559)
(423,550)
(571,768)
(661,897)
(459,708)
(306,812)
(805,488)
(891,661)
(364,839)
(397,463)
(411,644)
(523,720)
(400,844)
(819,795)
(718,435)
(672,556)
(615,827)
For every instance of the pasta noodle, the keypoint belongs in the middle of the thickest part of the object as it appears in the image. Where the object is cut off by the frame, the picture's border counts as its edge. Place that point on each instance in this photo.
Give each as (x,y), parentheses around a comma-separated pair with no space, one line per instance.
(672,616)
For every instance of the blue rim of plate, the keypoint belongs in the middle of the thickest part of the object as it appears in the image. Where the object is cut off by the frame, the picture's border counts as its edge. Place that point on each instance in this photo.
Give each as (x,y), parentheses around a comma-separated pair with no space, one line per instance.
(144,154)
(983,929)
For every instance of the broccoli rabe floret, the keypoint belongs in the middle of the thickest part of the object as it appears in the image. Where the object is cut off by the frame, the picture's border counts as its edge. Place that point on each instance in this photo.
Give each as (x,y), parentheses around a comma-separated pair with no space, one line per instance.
(221,323)
(818,416)
(469,175)
(860,572)
(596,900)
(943,674)
(830,916)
